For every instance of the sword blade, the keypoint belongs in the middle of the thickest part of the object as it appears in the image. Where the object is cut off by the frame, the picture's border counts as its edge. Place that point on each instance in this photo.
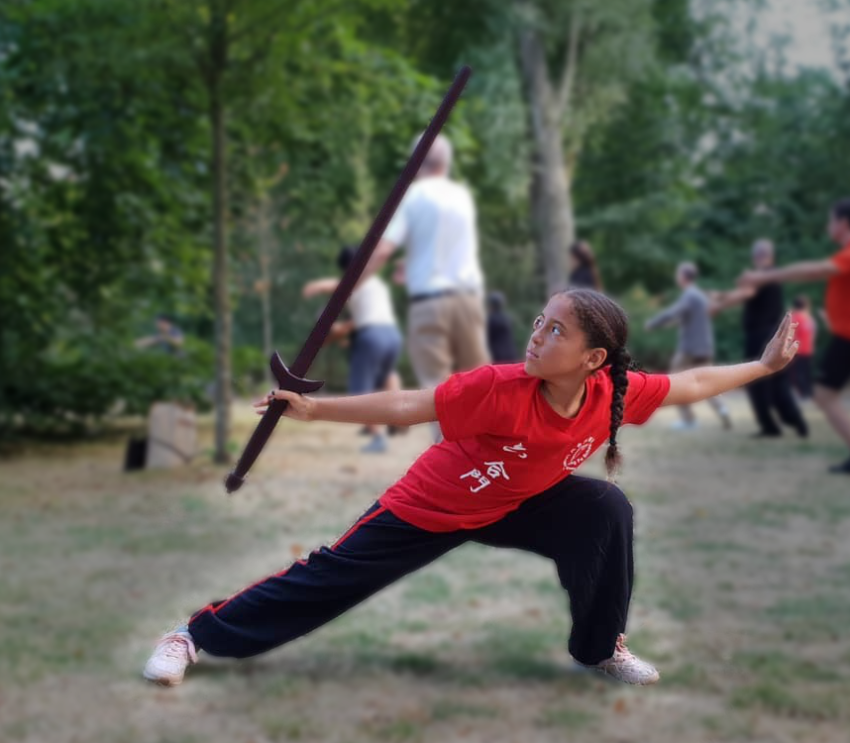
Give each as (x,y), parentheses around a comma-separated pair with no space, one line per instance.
(337,300)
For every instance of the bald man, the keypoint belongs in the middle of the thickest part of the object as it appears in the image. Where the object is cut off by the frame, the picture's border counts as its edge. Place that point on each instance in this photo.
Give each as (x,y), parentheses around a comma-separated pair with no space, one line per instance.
(435,223)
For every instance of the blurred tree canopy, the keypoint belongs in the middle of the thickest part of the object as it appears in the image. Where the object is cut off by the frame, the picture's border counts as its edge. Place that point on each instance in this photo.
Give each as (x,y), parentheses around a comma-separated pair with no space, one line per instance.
(205,158)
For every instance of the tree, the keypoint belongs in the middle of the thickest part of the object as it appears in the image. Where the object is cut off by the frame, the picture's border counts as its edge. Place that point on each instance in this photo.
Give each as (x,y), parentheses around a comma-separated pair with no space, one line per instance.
(242,51)
(98,198)
(577,59)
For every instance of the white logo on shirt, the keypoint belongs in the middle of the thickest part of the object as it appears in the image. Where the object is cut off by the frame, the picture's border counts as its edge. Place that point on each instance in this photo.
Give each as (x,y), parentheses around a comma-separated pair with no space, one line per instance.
(578,454)
(475,474)
(518,449)
(495,470)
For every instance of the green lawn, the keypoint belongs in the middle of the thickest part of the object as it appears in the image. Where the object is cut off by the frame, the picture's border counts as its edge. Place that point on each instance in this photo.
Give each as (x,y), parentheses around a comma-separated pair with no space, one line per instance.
(742,600)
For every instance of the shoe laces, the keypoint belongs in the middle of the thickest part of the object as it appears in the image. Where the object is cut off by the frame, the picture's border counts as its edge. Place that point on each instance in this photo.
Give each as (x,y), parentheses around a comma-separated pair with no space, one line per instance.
(622,655)
(176,646)
(620,646)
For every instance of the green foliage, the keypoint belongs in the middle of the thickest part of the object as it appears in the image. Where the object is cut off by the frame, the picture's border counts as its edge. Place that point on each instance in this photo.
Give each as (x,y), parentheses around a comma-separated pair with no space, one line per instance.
(87,377)
(685,145)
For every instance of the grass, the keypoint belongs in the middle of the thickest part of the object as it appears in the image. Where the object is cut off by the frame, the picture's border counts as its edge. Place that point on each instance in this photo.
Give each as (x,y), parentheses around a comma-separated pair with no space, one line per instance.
(778,667)
(427,588)
(785,701)
(451,709)
(816,616)
(740,599)
(567,717)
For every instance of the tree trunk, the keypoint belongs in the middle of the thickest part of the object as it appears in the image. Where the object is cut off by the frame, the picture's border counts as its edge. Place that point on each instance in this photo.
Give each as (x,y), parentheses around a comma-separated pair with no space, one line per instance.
(221,283)
(266,277)
(551,200)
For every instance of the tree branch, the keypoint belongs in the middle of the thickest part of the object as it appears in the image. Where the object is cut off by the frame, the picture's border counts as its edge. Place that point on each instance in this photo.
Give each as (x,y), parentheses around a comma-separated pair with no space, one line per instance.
(568,76)
(196,56)
(536,81)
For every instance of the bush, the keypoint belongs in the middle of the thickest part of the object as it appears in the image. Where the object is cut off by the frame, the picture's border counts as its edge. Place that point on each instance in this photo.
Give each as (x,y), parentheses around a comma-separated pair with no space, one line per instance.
(86,378)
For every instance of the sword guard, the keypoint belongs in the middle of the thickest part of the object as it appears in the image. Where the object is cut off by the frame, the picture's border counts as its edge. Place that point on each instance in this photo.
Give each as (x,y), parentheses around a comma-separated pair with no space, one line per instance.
(288,381)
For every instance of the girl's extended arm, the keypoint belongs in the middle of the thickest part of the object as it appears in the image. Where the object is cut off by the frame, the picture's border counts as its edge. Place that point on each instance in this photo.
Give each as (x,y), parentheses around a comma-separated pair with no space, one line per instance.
(705,382)
(402,408)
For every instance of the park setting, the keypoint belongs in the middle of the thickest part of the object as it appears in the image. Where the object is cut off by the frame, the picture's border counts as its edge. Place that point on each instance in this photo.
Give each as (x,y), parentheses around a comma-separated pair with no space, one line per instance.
(463,244)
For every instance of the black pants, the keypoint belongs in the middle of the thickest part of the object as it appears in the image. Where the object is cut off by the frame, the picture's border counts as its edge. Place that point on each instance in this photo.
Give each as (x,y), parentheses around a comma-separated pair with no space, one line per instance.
(773,393)
(801,373)
(584,525)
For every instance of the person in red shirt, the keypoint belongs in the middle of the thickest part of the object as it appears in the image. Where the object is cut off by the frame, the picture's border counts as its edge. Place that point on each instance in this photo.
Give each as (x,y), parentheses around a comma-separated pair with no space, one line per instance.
(835,364)
(800,368)
(502,476)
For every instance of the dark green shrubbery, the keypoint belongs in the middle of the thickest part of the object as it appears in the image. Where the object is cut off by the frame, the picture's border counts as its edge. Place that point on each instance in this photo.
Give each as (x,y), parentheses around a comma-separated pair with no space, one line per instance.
(83,380)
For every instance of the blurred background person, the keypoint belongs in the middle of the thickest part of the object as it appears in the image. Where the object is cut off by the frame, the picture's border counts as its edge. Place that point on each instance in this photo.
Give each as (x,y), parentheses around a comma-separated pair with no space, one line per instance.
(167,338)
(800,368)
(375,338)
(695,347)
(764,308)
(835,366)
(584,273)
(500,334)
(436,224)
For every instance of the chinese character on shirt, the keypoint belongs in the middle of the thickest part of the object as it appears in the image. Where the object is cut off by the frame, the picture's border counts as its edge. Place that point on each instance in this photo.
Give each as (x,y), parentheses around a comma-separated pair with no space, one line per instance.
(482,480)
(516,449)
(496,470)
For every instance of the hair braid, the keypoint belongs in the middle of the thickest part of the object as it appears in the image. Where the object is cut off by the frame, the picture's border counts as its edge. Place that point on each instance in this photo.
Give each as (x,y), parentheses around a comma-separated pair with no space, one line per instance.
(620,363)
(606,326)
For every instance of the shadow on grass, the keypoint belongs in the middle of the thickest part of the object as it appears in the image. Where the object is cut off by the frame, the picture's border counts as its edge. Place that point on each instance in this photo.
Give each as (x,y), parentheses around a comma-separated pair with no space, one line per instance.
(282,674)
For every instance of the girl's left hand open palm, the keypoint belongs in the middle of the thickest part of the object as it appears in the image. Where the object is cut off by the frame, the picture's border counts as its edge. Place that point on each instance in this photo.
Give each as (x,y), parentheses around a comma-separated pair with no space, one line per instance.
(782,346)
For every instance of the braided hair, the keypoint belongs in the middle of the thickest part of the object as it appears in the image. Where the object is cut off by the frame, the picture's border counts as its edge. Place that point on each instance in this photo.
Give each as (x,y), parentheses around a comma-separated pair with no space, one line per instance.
(605,325)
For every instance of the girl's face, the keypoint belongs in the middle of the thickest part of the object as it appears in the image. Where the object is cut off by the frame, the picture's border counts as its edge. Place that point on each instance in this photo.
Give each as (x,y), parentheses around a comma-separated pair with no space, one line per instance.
(558,346)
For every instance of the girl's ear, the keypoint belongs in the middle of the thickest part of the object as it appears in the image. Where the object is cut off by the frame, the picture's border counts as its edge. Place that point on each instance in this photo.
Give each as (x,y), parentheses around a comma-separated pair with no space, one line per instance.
(595,359)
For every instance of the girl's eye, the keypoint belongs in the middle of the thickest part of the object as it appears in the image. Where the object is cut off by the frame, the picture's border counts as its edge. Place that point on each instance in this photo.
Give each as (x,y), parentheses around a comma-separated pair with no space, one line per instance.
(538,323)
(556,330)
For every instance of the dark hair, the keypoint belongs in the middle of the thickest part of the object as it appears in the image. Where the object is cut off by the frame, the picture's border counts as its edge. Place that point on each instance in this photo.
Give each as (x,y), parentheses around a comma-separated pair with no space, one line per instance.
(583,253)
(841,210)
(496,302)
(689,271)
(605,325)
(801,302)
(346,255)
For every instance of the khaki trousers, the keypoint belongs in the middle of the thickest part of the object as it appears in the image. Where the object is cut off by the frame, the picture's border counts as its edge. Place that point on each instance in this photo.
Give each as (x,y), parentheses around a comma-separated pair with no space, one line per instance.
(446,334)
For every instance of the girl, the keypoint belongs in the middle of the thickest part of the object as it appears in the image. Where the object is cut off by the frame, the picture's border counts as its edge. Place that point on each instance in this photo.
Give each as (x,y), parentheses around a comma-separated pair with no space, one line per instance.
(502,476)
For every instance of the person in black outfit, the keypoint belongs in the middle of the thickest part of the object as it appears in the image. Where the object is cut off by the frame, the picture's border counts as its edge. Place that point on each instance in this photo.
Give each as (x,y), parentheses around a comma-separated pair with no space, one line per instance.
(764,309)
(500,335)
(585,273)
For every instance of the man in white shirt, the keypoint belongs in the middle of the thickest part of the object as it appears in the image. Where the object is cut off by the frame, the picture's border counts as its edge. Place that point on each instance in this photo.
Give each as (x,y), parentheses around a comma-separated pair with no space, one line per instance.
(435,222)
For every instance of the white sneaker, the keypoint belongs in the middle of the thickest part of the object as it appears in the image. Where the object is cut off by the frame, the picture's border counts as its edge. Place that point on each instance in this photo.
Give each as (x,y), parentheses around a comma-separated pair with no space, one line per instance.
(172,656)
(626,667)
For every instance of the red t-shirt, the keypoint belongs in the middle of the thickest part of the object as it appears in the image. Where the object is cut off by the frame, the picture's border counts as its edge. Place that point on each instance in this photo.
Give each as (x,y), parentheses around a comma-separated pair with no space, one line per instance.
(806,330)
(504,444)
(838,295)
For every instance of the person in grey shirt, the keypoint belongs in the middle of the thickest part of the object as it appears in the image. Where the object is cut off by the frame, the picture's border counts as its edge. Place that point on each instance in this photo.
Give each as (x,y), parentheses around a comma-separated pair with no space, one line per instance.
(691,312)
